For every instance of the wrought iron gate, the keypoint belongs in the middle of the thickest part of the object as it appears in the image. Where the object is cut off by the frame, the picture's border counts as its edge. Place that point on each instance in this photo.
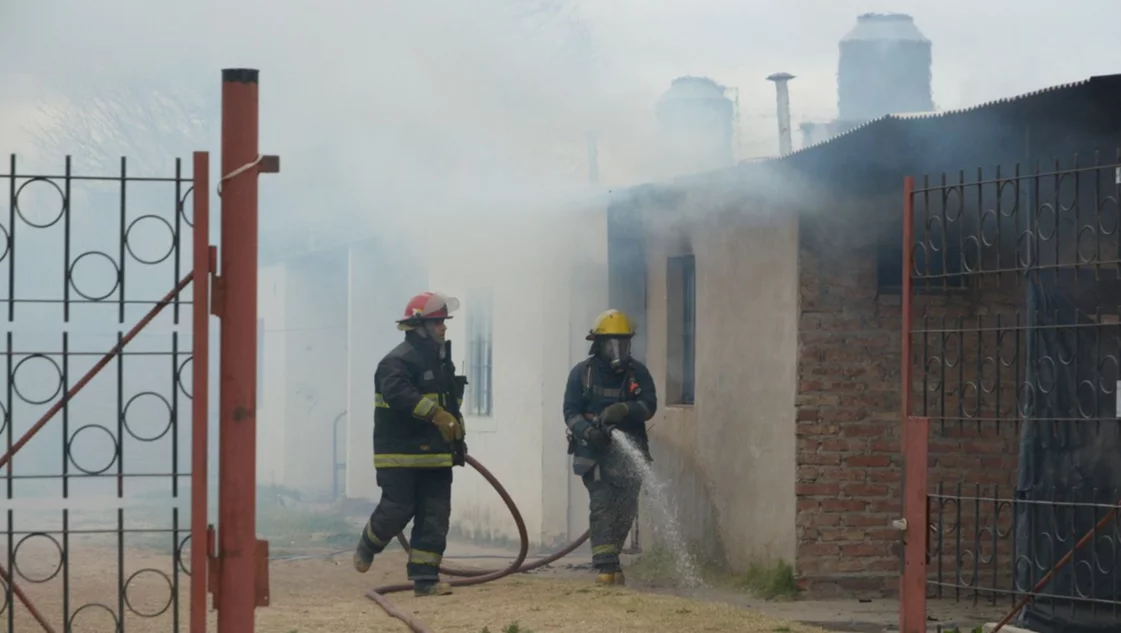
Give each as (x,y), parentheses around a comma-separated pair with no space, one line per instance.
(1010,379)
(102,375)
(105,401)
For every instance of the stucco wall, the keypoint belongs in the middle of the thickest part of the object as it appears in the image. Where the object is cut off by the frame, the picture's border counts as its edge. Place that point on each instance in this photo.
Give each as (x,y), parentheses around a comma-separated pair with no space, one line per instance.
(271,401)
(729,458)
(302,305)
(316,340)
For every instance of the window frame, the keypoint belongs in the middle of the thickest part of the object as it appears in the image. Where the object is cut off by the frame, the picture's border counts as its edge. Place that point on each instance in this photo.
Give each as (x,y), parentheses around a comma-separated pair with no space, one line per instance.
(479,399)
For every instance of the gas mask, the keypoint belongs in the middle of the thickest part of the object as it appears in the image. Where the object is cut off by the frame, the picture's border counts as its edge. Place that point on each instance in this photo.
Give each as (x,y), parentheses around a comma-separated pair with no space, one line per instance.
(616,351)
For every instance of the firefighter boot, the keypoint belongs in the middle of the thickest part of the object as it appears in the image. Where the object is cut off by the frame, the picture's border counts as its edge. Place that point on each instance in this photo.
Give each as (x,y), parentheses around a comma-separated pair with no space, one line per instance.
(606,578)
(431,588)
(620,579)
(363,557)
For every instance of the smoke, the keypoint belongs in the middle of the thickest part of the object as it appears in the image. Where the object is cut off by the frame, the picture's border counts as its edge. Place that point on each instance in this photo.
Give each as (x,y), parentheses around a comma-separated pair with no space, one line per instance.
(426,123)
(386,115)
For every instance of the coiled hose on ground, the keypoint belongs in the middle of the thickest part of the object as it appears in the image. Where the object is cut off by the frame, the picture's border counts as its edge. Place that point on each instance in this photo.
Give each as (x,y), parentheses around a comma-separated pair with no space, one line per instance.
(466,577)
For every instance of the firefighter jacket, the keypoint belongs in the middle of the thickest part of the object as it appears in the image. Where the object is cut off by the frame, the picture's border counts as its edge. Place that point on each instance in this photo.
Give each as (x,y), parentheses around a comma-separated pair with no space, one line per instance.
(592,387)
(411,381)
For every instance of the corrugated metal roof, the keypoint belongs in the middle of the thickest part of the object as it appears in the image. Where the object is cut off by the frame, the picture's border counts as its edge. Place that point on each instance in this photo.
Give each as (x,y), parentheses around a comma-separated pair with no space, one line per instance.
(910,116)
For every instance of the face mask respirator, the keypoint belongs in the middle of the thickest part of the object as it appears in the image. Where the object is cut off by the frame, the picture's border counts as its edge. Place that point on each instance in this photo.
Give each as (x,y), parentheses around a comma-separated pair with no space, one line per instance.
(616,351)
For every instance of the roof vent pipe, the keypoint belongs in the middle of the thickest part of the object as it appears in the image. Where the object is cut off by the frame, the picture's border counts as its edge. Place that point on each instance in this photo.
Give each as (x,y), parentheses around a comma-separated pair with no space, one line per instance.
(785,145)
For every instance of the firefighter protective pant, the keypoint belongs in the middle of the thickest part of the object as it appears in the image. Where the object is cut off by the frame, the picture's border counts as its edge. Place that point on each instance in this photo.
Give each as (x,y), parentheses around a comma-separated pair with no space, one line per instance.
(613,489)
(422,495)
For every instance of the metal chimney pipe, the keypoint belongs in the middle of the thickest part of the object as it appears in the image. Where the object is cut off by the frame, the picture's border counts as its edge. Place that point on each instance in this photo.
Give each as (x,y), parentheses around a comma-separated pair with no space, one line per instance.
(785,145)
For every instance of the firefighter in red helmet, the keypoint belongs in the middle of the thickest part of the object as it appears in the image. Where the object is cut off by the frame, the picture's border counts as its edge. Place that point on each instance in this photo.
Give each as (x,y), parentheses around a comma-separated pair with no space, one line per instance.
(418,437)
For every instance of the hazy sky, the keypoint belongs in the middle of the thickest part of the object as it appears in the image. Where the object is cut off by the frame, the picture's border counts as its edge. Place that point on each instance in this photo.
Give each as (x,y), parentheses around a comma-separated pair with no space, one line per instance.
(379,97)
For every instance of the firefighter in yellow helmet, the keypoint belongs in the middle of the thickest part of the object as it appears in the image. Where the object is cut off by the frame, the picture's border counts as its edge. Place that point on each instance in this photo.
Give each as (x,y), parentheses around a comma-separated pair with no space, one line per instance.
(609,390)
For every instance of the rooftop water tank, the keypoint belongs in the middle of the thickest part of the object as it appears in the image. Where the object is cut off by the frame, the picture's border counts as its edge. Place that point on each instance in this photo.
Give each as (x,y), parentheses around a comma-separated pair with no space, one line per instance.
(884,68)
(697,121)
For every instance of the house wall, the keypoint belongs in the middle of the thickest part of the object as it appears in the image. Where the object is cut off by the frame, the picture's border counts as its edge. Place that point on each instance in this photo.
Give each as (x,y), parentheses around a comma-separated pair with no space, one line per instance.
(272,402)
(528,269)
(849,407)
(302,307)
(728,460)
(316,340)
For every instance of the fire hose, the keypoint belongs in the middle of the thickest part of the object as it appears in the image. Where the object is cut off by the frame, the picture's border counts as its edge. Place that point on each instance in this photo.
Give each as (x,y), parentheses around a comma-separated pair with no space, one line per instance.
(467,577)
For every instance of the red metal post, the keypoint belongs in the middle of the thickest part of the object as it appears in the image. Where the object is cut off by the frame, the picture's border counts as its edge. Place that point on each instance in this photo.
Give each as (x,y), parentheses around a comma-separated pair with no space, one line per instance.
(915,440)
(200,392)
(235,596)
(907,287)
(912,590)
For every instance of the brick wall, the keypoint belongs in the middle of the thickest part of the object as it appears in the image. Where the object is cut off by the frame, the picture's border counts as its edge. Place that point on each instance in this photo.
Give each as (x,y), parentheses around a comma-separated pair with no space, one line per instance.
(848,419)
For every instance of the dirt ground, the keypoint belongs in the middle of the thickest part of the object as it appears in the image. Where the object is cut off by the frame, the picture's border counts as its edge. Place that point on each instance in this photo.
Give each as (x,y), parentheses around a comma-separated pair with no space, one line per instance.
(326,595)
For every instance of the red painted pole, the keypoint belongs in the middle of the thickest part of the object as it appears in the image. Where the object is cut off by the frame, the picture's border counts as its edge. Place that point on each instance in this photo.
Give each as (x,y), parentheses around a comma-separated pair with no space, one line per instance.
(907,264)
(237,448)
(200,389)
(914,444)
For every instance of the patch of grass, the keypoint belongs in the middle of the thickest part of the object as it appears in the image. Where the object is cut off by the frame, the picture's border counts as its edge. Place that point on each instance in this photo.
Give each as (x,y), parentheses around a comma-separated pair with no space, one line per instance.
(654,565)
(657,566)
(769,582)
(782,629)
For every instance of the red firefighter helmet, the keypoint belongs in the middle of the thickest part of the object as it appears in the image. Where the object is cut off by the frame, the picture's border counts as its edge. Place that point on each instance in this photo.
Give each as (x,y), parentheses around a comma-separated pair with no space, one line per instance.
(427,306)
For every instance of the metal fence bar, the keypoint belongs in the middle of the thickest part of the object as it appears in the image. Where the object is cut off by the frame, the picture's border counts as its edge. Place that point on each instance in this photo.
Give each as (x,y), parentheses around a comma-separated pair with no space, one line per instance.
(200,390)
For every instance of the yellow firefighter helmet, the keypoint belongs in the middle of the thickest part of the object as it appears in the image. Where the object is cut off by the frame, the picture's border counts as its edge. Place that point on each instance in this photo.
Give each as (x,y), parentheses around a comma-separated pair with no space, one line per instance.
(611,323)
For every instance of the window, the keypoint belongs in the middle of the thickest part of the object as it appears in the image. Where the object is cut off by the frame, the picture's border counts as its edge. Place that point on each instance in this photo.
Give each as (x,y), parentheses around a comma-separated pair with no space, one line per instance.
(944,269)
(480,344)
(681,286)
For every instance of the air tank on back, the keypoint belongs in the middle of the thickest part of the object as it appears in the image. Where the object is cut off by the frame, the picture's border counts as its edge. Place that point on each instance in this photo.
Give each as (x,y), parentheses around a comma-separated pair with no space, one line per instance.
(884,68)
(697,124)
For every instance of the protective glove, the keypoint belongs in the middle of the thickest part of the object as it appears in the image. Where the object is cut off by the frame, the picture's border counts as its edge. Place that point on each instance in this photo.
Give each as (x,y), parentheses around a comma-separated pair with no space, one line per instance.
(459,453)
(448,425)
(596,435)
(615,413)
